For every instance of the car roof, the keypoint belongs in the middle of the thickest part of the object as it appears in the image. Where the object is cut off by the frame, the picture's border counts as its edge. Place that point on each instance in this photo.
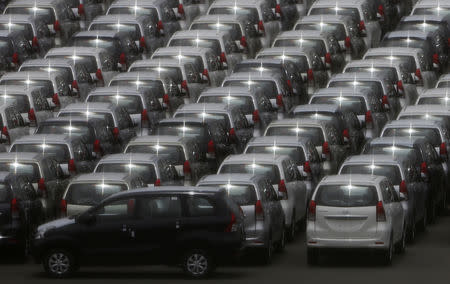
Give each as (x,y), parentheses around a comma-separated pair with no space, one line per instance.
(136,2)
(424,18)
(199,33)
(114,90)
(231,178)
(49,62)
(257,158)
(246,3)
(171,139)
(29,156)
(166,190)
(393,50)
(377,158)
(131,157)
(279,140)
(91,106)
(30,74)
(354,178)
(183,119)
(412,123)
(316,107)
(301,33)
(188,50)
(358,75)
(436,92)
(102,33)
(253,76)
(393,140)
(424,109)
(332,3)
(347,91)
(113,18)
(221,18)
(324,18)
(294,121)
(219,91)
(407,33)
(161,61)
(80,50)
(145,75)
(431,3)
(373,62)
(263,61)
(288,50)
(95,177)
(203,106)
(44,138)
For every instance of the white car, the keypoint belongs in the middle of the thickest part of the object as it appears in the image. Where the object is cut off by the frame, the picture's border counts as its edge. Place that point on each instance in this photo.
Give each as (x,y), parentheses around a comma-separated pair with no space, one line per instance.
(355,212)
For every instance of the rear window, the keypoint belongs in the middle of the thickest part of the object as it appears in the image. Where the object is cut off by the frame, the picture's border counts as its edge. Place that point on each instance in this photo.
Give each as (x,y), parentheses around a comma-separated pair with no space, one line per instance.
(374,85)
(222,118)
(323,116)
(100,115)
(60,152)
(300,61)
(394,150)
(173,153)
(200,206)
(408,62)
(66,71)
(97,42)
(346,196)
(295,153)
(268,87)
(132,29)
(233,29)
(390,71)
(317,44)
(91,194)
(173,73)
(433,101)
(89,62)
(392,172)
(431,134)
(47,14)
(270,171)
(425,26)
(133,104)
(145,171)
(405,42)
(26,28)
(315,134)
(431,11)
(244,102)
(443,84)
(137,11)
(31,82)
(352,12)
(338,30)
(28,169)
(214,44)
(345,103)
(73,129)
(252,13)
(242,194)
(181,129)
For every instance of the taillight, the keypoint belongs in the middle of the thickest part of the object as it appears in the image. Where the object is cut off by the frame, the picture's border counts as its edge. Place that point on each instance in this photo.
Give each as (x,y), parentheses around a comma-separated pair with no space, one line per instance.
(261,26)
(403,189)
(42,187)
(328,58)
(278,9)
(346,134)
(280,100)
(31,115)
(75,85)
(97,146)
(368,119)
(385,101)
(122,58)
(6,133)
(436,58)
(99,74)
(80,9)
(282,188)
(160,26)
(72,168)
(448,42)
(15,58)
(443,150)
(223,57)
(116,132)
(35,42)
(142,43)
(157,182)
(312,211)
(205,73)
(381,10)
(259,212)
(362,26)
(423,169)
(63,207)
(186,167)
(348,43)
(211,147)
(310,75)
(56,26)
(400,85)
(180,9)
(14,208)
(166,99)
(243,41)
(307,167)
(289,83)
(232,135)
(418,74)
(55,99)
(255,116)
(381,215)
(326,150)
(144,116)
(231,226)
(184,85)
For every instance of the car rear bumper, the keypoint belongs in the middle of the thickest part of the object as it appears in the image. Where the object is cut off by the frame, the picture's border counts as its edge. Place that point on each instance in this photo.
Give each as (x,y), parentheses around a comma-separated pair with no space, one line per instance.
(369,243)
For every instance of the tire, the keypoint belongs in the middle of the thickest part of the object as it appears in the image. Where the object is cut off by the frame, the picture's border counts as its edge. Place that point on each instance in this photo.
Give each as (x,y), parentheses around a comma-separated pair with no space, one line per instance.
(197,263)
(388,254)
(292,228)
(312,256)
(400,247)
(59,263)
(281,244)
(411,235)
(267,253)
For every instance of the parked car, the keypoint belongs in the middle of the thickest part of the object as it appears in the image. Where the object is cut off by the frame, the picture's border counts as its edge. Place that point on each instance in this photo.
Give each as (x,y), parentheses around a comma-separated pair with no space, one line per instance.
(213,230)
(443,81)
(15,49)
(263,214)
(11,123)
(427,7)
(436,96)
(340,198)
(426,112)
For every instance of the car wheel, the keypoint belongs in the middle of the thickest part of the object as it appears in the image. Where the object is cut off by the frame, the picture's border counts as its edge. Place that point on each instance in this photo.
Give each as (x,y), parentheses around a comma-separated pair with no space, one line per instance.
(401,246)
(411,236)
(59,263)
(388,253)
(267,253)
(282,242)
(312,256)
(291,230)
(197,263)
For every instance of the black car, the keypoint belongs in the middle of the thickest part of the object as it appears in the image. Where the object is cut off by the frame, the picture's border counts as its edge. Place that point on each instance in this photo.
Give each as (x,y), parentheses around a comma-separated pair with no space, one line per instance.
(187,226)
(20,211)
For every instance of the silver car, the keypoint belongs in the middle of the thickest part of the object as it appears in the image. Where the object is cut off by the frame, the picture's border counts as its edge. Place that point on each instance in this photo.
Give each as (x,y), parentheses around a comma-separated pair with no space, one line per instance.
(12,124)
(437,96)
(443,81)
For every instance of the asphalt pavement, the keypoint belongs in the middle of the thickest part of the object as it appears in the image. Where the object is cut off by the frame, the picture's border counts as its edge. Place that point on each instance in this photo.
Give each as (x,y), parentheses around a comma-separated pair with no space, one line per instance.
(426,261)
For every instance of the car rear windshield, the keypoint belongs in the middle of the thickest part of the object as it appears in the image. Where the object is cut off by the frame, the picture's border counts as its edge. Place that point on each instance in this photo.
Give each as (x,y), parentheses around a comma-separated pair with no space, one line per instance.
(66,71)
(28,169)
(134,10)
(346,196)
(91,194)
(352,12)
(338,30)
(47,14)
(145,171)
(244,102)
(425,26)
(374,85)
(132,29)
(252,13)
(392,172)
(295,153)
(431,134)
(323,116)
(75,129)
(233,29)
(345,103)
(97,42)
(30,82)
(258,67)
(214,44)
(242,194)
(389,71)
(207,116)
(394,150)
(403,42)
(133,104)
(313,133)
(268,87)
(443,84)
(300,60)
(432,11)
(408,62)
(91,114)
(60,152)
(173,73)
(267,170)
(433,101)
(317,44)
(26,28)
(181,129)
(195,58)
(173,153)
(89,62)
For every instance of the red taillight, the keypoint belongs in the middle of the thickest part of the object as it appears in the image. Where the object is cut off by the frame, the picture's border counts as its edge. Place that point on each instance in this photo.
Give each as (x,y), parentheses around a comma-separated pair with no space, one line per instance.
(205,73)
(160,26)
(80,9)
(362,26)
(385,101)
(31,115)
(289,83)
(418,74)
(261,26)
(282,186)
(180,9)
(56,26)
(144,116)
(346,134)
(424,168)
(403,189)
(255,116)
(400,85)
(63,206)
(122,58)
(97,146)
(278,9)
(72,167)
(55,99)
(42,187)
(312,211)
(15,58)
(157,182)
(328,58)
(280,100)
(436,58)
(223,57)
(443,150)
(35,42)
(381,215)
(232,135)
(166,99)
(230,227)
(14,208)
(99,74)
(310,75)
(186,167)
(75,85)
(142,43)
(368,117)
(348,43)
(325,148)
(243,41)
(184,85)
(381,10)
(211,147)
(116,132)
(5,132)
(307,167)
(259,212)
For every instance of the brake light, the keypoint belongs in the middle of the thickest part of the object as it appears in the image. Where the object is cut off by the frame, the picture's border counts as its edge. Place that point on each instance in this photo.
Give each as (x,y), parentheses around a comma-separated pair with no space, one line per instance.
(259,212)
(261,26)
(75,85)
(31,115)
(180,9)
(99,74)
(63,206)
(435,58)
(223,57)
(35,42)
(282,188)
(184,85)
(166,99)
(15,58)
(348,42)
(232,133)
(160,26)
(211,147)
(307,167)
(310,75)
(42,187)
(424,168)
(14,208)
(381,10)
(312,211)
(142,43)
(289,83)
(255,116)
(400,85)
(443,150)
(381,215)
(325,148)
(123,58)
(362,26)
(6,133)
(328,58)
(346,134)
(186,167)
(243,41)
(418,74)
(56,26)
(368,118)
(385,101)
(403,188)
(97,146)
(157,182)
(205,73)
(116,132)
(230,227)
(278,9)
(72,167)
(144,116)
(80,9)
(280,100)
(55,99)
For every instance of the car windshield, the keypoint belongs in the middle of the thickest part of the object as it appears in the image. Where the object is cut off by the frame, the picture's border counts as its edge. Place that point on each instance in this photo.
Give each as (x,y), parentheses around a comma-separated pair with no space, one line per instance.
(300,60)
(403,42)
(345,103)
(195,58)
(408,62)
(91,114)
(390,72)
(244,102)
(25,27)
(394,150)
(392,172)
(437,11)
(66,71)
(89,62)
(318,45)
(59,152)
(181,129)
(350,195)
(242,194)
(91,194)
(29,169)
(174,153)
(29,82)
(132,29)
(352,12)
(314,133)
(295,153)
(145,171)
(252,13)
(133,104)
(233,29)
(337,29)
(47,14)
(319,115)
(433,101)
(214,44)
(97,42)
(173,73)
(75,129)
(268,87)
(443,84)
(267,170)
(431,134)
(134,10)
(374,85)
(425,26)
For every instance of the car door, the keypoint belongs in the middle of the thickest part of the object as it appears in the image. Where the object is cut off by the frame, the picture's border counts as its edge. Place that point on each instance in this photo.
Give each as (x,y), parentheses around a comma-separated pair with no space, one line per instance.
(276,211)
(397,212)
(389,207)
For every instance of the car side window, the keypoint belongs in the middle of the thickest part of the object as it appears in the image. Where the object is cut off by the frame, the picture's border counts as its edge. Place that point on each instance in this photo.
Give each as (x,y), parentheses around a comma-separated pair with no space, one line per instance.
(386,193)
(289,174)
(160,207)
(394,195)
(240,121)
(117,210)
(200,206)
